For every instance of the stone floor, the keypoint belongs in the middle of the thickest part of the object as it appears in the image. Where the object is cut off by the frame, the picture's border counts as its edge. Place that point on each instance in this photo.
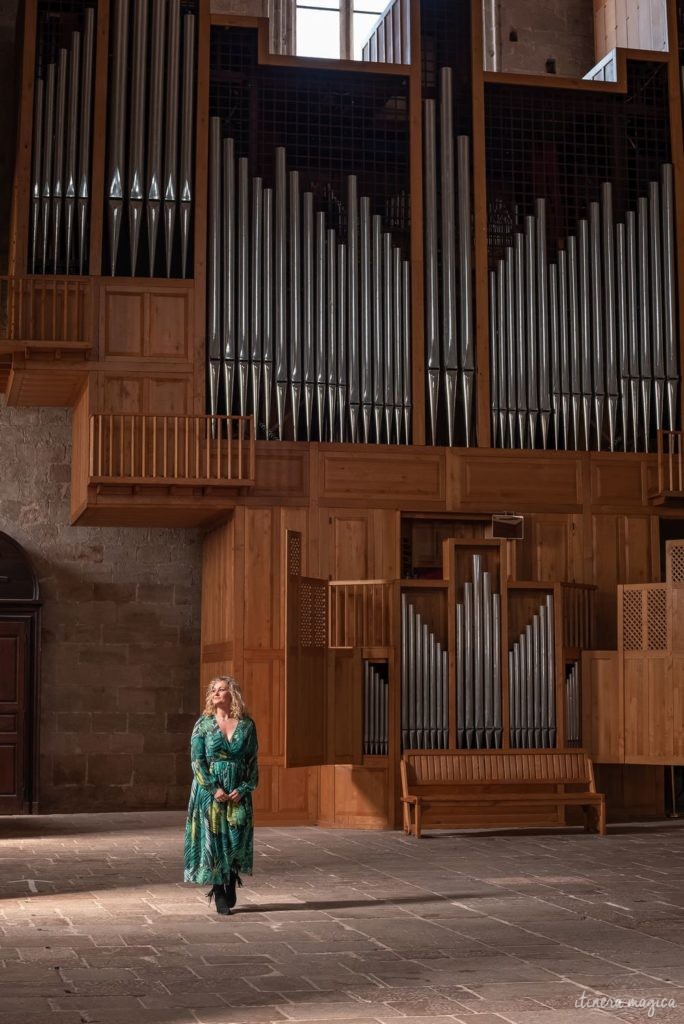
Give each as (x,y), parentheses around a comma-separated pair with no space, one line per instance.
(527,927)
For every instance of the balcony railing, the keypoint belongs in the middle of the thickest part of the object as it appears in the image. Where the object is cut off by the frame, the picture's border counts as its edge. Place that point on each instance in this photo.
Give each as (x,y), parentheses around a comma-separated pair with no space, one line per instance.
(173,450)
(44,309)
(360,613)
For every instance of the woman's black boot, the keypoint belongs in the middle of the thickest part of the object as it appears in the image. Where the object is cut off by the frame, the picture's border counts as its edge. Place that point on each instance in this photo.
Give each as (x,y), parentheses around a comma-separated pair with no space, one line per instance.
(218,894)
(231,893)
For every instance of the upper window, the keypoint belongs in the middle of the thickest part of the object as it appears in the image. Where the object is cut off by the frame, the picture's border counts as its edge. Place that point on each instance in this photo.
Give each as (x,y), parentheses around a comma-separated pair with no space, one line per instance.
(335,29)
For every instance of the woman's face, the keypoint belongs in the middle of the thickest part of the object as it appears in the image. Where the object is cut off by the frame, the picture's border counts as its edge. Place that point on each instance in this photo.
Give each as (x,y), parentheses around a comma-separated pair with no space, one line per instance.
(220,696)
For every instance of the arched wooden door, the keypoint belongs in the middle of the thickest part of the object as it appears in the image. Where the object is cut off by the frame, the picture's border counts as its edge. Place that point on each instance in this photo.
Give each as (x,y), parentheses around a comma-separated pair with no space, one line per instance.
(19,679)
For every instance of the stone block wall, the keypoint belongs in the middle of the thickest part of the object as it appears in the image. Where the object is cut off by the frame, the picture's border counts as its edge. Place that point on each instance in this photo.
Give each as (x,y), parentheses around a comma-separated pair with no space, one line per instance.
(522,36)
(120,646)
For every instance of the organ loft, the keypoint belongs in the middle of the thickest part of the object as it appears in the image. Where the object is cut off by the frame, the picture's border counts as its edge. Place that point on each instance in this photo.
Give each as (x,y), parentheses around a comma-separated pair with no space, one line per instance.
(401,336)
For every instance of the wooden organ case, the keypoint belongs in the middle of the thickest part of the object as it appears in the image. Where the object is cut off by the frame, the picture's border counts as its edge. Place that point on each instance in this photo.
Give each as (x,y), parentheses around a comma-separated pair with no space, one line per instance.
(338,314)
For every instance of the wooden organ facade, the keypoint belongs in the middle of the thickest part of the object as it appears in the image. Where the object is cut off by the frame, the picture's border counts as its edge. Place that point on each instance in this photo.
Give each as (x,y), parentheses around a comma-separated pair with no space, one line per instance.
(338,314)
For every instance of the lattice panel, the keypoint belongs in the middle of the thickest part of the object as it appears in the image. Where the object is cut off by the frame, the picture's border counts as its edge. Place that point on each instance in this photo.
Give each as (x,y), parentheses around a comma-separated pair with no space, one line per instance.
(674,561)
(294,553)
(313,613)
(632,620)
(656,611)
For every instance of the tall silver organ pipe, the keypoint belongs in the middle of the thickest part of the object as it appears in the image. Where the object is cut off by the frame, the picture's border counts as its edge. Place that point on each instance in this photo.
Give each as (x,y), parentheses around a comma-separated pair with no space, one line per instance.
(424,683)
(71,164)
(478,662)
(531,681)
(320,315)
(85,131)
(593,327)
(151,126)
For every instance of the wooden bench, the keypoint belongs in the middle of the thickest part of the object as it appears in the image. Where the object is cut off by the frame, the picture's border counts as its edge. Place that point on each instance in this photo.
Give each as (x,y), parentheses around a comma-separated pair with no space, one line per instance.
(435,781)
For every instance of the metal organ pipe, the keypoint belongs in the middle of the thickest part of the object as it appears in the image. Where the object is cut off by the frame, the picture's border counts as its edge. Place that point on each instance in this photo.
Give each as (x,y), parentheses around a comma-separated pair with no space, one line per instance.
(448,238)
(58,156)
(669,290)
(116,148)
(85,104)
(243,282)
(36,167)
(431,272)
(136,130)
(154,128)
(187,133)
(214,264)
(228,347)
(170,184)
(71,165)
(353,276)
(308,306)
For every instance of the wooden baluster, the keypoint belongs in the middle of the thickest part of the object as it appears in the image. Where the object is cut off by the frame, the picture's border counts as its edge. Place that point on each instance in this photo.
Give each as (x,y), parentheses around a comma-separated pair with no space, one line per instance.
(175,447)
(186,428)
(166,442)
(121,445)
(197,449)
(91,460)
(143,446)
(208,427)
(240,469)
(154,446)
(110,447)
(679,460)
(17,313)
(54,309)
(219,430)
(65,311)
(132,472)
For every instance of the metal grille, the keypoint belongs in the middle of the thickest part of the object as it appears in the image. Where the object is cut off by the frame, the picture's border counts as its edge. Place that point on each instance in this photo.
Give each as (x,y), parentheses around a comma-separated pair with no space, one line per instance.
(313,617)
(632,620)
(294,553)
(675,562)
(331,124)
(562,144)
(656,608)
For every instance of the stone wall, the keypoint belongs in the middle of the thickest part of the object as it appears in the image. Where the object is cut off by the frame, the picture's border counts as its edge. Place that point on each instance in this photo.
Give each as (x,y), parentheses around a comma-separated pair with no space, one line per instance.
(121,612)
(522,36)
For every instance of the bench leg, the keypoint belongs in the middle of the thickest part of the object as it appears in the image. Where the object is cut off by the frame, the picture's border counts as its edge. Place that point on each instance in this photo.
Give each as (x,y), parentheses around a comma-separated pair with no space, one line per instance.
(407,818)
(417,819)
(602,818)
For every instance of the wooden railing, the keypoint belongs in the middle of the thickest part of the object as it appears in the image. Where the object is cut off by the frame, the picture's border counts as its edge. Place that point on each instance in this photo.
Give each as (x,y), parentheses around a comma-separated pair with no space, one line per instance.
(390,40)
(178,450)
(670,462)
(44,309)
(360,613)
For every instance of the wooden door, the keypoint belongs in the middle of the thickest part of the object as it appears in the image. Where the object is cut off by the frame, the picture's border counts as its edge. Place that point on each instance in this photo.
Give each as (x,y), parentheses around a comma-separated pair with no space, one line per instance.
(13,716)
(323,687)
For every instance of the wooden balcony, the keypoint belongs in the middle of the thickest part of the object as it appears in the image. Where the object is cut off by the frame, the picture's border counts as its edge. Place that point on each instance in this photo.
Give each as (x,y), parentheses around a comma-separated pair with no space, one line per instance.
(670,468)
(159,470)
(45,338)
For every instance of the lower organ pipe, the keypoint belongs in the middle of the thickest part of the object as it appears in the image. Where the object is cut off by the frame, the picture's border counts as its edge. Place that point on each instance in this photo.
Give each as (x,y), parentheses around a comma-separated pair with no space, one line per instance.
(478,662)
(531,661)
(424,683)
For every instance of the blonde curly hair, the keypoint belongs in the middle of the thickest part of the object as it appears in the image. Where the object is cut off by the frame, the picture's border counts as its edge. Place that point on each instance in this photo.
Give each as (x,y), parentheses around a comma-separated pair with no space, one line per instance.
(237,701)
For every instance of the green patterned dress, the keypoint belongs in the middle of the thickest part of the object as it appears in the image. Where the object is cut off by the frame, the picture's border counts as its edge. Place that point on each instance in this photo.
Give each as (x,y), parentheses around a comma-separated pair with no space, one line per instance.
(220,836)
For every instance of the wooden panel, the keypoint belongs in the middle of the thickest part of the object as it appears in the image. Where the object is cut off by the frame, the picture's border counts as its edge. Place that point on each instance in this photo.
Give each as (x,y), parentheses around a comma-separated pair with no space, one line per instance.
(648,709)
(121,394)
(218,622)
(262,679)
(551,548)
(170,325)
(262,578)
(677,709)
(360,797)
(295,792)
(620,553)
(512,481)
(345,707)
(349,543)
(282,471)
(122,322)
(617,480)
(168,396)
(391,478)
(305,671)
(602,701)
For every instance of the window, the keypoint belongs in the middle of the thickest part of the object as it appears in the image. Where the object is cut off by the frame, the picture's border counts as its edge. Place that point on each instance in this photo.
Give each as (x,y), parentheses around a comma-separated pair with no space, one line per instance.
(335,28)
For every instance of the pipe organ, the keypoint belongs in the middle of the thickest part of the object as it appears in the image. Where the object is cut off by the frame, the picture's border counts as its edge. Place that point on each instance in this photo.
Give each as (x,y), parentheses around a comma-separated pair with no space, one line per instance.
(367,304)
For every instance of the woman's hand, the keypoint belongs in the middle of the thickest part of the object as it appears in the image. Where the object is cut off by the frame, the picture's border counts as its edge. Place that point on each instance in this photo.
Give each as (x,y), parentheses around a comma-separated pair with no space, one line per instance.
(221,796)
(235,796)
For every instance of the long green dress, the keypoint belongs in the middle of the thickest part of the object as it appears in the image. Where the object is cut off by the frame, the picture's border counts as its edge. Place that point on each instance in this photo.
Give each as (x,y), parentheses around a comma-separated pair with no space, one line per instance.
(220,836)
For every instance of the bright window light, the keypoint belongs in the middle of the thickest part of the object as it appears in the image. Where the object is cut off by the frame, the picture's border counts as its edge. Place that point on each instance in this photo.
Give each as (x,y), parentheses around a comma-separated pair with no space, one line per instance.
(318,31)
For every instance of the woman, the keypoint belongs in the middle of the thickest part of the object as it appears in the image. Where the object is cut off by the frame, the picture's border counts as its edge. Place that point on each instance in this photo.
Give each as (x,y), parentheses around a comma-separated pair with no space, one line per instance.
(219,830)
